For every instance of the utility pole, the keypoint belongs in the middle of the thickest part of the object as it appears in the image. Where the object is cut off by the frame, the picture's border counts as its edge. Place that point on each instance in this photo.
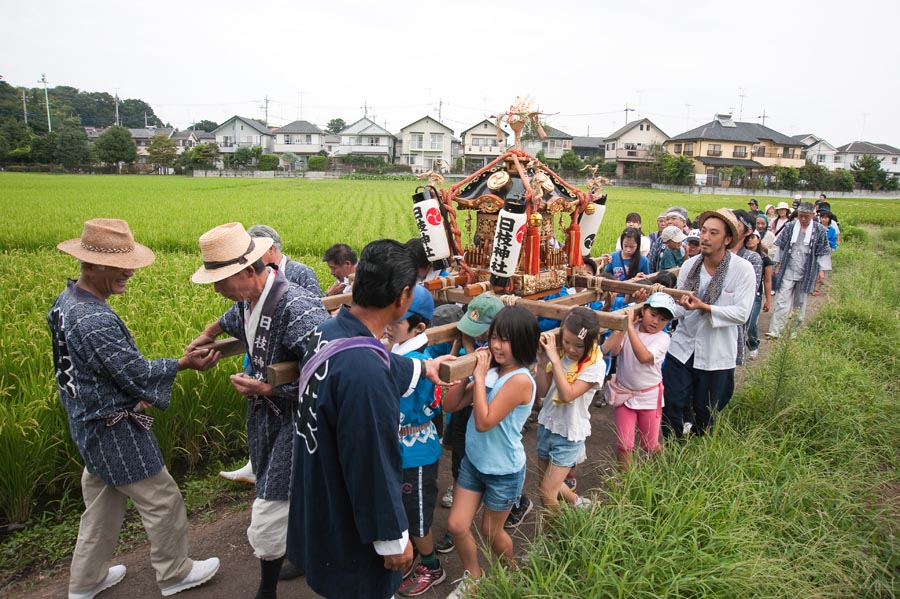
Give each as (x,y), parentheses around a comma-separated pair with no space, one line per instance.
(266,107)
(763,117)
(47,102)
(145,119)
(117,107)
(627,110)
(741,95)
(24,106)
(365,108)
(687,118)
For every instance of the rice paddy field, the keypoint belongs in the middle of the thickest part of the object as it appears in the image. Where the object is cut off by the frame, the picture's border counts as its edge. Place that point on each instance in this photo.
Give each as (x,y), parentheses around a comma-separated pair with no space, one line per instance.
(164,310)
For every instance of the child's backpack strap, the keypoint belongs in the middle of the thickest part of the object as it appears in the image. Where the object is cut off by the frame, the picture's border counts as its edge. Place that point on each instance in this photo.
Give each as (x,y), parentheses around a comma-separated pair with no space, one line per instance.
(335,347)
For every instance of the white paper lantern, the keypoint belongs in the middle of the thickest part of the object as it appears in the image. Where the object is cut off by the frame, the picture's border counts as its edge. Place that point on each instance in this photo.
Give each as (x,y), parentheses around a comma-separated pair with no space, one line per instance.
(590,224)
(430,224)
(508,237)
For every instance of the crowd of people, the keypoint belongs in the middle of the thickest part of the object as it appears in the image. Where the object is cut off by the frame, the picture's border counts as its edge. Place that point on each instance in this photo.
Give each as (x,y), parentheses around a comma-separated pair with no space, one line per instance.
(345,457)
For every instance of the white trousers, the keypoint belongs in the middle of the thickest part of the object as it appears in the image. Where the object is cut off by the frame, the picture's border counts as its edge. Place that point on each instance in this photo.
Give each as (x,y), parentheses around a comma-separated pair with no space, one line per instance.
(267,532)
(790,296)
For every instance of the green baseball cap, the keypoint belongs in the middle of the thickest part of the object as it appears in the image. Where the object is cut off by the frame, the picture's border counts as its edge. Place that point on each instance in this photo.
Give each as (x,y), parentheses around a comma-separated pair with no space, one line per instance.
(479,314)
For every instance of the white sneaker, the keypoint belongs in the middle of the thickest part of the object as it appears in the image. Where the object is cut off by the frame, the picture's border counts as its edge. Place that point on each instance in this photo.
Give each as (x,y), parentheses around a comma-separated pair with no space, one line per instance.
(583,502)
(199,574)
(465,588)
(447,499)
(113,577)
(241,475)
(754,353)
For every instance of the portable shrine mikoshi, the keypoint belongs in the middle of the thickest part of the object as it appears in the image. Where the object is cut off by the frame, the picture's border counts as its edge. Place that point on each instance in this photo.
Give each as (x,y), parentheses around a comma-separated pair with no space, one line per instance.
(515,209)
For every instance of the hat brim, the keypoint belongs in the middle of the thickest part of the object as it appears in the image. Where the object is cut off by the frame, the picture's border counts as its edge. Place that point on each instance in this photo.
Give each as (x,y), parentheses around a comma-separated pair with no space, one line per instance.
(472,328)
(205,275)
(732,226)
(140,257)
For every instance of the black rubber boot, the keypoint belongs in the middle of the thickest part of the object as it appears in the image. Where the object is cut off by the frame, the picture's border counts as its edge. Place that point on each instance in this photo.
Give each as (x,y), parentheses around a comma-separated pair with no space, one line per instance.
(268,580)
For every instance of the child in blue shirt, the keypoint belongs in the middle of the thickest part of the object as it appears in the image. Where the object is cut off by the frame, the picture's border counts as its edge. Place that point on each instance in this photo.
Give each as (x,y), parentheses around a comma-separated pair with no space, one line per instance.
(420,445)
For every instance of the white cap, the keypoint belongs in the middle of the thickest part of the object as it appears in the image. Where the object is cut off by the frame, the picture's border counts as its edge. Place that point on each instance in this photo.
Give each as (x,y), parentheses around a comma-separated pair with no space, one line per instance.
(672,233)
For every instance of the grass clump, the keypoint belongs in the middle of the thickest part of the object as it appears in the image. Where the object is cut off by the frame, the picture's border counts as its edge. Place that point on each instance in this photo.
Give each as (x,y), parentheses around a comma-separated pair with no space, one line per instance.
(784,500)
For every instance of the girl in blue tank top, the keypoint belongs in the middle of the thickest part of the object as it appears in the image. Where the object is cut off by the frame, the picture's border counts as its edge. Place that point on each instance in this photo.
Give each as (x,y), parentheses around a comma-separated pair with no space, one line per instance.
(501,393)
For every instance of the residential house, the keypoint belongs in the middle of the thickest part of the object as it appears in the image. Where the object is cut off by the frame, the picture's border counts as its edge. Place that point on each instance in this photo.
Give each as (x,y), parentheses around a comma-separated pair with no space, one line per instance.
(588,147)
(366,138)
(632,145)
(204,137)
(725,143)
(240,132)
(819,151)
(332,144)
(185,140)
(480,144)
(142,139)
(93,133)
(426,145)
(300,138)
(849,153)
(552,146)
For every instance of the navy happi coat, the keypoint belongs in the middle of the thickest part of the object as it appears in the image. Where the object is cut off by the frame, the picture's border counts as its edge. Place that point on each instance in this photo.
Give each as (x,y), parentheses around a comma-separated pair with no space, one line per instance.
(99,373)
(346,487)
(268,431)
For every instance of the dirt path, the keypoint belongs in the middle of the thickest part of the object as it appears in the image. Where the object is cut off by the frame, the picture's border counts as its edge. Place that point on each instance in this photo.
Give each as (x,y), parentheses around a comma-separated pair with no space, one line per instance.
(239,573)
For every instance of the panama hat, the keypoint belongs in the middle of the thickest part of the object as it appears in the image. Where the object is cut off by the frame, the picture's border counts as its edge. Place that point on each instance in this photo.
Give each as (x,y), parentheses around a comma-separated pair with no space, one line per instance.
(782,206)
(227,250)
(109,242)
(727,216)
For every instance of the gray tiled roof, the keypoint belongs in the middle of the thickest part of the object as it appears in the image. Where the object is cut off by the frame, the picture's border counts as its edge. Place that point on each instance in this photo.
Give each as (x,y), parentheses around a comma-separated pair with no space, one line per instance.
(587,142)
(492,129)
(428,117)
(554,133)
(365,126)
(299,127)
(255,124)
(866,147)
(746,132)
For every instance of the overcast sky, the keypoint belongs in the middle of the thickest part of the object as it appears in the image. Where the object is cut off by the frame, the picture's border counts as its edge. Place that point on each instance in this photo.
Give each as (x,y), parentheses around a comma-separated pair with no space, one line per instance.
(823,67)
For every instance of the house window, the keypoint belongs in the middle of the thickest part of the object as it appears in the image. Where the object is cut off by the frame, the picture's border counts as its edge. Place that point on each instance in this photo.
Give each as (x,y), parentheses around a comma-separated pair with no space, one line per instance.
(437,141)
(689,149)
(411,159)
(288,140)
(856,158)
(740,151)
(417,141)
(894,160)
(714,150)
(837,158)
(820,157)
(309,139)
(676,149)
(642,127)
(373,141)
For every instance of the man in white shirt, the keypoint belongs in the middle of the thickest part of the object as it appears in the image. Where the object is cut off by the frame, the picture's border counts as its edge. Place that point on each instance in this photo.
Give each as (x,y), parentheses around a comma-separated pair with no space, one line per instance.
(698,374)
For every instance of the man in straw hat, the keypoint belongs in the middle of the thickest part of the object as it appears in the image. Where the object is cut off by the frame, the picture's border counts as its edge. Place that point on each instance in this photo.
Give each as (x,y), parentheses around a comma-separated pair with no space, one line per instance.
(803,257)
(295,272)
(104,384)
(348,530)
(274,319)
(698,374)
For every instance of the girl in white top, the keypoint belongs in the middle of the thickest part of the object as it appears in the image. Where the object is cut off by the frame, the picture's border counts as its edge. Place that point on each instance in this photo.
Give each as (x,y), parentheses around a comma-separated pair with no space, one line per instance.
(636,389)
(567,381)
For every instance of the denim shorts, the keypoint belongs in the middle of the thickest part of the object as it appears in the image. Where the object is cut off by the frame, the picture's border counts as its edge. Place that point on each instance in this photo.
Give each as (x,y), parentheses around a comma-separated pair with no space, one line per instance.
(500,492)
(557,449)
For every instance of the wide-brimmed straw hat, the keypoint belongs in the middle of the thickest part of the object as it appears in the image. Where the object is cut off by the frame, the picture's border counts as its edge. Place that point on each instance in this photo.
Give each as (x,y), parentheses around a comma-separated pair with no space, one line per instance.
(109,242)
(727,216)
(226,250)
